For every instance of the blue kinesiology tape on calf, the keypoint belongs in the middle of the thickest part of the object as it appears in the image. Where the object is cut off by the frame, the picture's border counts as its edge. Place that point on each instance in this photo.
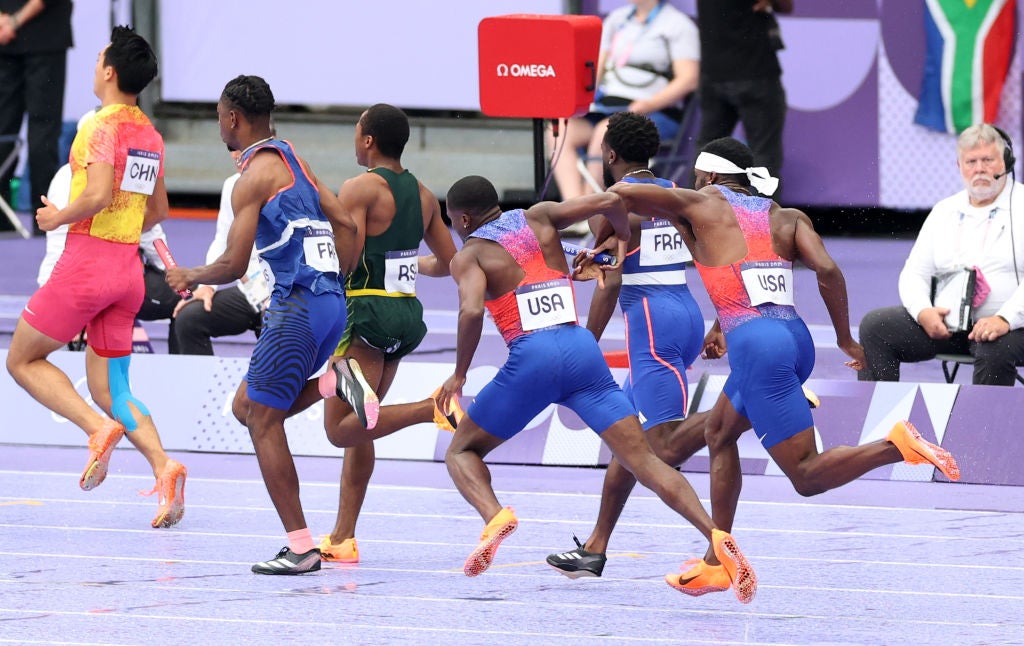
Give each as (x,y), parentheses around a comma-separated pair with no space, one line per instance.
(121,393)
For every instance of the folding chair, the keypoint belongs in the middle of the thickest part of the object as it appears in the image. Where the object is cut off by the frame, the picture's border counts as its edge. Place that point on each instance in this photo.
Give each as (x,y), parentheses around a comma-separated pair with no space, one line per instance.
(675,159)
(15,221)
(951,364)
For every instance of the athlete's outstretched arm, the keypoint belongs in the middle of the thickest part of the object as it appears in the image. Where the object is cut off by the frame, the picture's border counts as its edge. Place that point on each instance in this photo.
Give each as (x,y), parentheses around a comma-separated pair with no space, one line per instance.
(472,283)
(810,250)
(439,240)
(252,190)
(563,214)
(672,204)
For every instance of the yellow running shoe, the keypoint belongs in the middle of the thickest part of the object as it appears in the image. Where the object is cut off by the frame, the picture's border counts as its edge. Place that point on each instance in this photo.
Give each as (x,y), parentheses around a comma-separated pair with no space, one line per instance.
(101,445)
(498,529)
(171,487)
(916,450)
(344,552)
(447,420)
(700,579)
(744,581)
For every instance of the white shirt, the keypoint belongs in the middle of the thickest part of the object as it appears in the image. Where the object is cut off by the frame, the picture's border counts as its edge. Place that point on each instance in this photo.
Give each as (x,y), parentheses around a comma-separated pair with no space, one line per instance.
(955,235)
(670,36)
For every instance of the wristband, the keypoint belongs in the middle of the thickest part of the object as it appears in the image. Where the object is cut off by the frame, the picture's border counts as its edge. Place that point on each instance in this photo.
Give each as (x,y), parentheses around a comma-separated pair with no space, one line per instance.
(15,23)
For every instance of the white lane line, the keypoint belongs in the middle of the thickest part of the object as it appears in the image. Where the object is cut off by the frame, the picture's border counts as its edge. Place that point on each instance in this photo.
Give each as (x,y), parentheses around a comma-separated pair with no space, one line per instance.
(433,491)
(533,549)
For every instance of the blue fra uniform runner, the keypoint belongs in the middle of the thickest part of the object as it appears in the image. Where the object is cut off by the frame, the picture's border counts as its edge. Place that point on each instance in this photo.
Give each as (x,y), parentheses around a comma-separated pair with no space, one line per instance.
(306,314)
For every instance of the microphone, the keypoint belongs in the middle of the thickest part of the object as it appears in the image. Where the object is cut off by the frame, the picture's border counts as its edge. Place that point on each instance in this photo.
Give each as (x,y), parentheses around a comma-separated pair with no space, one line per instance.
(1003,174)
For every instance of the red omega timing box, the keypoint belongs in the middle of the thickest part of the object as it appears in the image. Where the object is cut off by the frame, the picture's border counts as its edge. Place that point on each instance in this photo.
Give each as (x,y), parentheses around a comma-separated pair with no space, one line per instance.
(538,66)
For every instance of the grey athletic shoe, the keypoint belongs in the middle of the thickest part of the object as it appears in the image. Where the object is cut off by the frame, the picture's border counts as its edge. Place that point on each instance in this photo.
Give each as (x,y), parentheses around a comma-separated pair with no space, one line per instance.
(288,562)
(579,562)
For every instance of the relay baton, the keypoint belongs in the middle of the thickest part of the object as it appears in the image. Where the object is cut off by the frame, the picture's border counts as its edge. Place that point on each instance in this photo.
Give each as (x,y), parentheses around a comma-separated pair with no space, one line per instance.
(600,258)
(165,255)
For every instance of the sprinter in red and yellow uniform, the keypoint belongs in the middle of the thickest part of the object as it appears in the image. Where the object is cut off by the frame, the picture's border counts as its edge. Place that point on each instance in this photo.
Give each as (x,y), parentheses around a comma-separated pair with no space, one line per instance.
(117,190)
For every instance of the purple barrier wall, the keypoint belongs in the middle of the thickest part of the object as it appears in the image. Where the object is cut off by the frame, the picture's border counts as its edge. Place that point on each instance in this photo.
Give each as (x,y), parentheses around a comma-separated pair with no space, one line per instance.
(977,423)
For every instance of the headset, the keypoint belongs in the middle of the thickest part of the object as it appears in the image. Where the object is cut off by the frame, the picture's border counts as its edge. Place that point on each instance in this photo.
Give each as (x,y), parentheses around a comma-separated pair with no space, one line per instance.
(1009,160)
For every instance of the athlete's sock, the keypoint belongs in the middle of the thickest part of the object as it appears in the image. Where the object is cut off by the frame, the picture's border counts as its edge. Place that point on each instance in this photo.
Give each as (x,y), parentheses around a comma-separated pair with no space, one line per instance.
(300,541)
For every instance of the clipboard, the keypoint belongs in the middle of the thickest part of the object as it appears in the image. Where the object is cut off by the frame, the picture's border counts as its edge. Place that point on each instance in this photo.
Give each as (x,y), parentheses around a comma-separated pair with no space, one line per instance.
(955,290)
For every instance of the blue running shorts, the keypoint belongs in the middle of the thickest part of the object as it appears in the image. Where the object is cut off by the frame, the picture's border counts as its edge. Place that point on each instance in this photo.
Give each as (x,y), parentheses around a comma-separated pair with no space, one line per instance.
(770,359)
(300,331)
(562,365)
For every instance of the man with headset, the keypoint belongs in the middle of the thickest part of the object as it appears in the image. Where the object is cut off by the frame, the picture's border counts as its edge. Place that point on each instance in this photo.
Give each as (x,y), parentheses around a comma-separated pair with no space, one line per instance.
(973,233)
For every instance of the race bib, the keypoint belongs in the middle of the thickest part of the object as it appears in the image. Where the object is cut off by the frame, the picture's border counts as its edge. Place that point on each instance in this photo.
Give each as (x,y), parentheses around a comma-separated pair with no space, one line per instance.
(769,281)
(661,244)
(400,271)
(256,288)
(546,304)
(318,245)
(268,276)
(140,171)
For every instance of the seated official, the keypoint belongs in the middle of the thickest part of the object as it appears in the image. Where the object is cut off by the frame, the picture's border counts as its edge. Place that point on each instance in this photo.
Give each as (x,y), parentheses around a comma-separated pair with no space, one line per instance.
(979,230)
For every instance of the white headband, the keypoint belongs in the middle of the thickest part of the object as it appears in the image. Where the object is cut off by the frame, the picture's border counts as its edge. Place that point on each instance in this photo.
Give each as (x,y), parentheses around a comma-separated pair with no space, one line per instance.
(758,176)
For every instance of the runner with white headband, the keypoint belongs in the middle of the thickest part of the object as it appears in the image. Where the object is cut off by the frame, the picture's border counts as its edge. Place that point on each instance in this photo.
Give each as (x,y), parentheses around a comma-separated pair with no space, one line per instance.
(759,176)
(745,246)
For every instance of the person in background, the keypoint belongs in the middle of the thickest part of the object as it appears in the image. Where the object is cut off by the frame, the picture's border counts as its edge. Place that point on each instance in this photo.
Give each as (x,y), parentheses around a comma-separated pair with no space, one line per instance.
(975,229)
(740,76)
(648,63)
(34,39)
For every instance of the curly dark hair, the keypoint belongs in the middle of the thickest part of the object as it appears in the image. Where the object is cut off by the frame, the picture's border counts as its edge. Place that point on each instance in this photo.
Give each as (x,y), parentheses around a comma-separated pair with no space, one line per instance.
(632,136)
(389,128)
(250,95)
(474,195)
(132,58)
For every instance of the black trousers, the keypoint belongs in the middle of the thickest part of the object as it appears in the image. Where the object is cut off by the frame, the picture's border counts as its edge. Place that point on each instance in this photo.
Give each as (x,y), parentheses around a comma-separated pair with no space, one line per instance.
(193,330)
(891,337)
(759,104)
(160,299)
(33,84)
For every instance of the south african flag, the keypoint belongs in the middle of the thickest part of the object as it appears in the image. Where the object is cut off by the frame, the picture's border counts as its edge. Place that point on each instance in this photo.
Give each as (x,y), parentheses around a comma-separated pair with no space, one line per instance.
(969,47)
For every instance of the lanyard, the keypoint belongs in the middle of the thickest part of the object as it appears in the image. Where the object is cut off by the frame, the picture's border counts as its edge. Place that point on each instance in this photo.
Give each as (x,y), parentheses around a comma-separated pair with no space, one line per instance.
(622,59)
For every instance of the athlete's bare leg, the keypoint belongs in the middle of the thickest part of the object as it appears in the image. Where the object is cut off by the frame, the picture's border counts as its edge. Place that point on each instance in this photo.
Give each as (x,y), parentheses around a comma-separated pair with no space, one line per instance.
(28,364)
(673,443)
